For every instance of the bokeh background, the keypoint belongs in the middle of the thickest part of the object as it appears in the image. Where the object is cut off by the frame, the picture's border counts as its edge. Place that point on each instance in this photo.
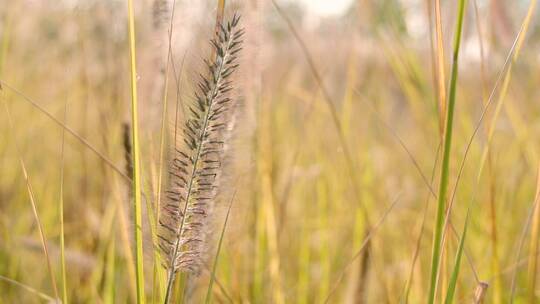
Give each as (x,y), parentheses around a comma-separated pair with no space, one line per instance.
(336,147)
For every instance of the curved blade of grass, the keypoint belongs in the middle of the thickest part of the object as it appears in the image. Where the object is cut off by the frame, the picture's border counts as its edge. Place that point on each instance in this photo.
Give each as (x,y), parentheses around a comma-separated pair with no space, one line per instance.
(533,248)
(136,158)
(213,274)
(68,129)
(33,203)
(520,247)
(352,173)
(367,239)
(404,298)
(443,187)
(487,104)
(455,272)
(518,44)
(28,288)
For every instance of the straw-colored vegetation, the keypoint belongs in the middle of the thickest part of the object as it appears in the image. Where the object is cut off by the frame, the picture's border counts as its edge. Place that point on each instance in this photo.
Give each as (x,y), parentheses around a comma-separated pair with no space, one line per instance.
(162,151)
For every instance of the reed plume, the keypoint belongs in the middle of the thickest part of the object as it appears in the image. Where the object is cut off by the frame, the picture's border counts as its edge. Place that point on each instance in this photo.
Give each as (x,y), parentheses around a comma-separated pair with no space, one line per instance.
(195,168)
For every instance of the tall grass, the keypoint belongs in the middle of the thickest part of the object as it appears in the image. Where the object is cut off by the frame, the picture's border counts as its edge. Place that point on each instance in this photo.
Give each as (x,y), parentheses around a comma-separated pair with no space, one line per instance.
(136,190)
(457,265)
(445,168)
(61,211)
(32,198)
(328,133)
(196,168)
(532,267)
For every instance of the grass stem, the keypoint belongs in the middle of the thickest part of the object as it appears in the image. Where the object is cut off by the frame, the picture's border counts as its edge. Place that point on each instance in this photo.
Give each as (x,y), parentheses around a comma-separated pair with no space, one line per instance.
(136,159)
(443,187)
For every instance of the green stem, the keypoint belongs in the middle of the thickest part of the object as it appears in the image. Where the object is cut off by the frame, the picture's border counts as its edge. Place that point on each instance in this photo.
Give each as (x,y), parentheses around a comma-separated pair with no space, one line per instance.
(136,159)
(455,273)
(443,188)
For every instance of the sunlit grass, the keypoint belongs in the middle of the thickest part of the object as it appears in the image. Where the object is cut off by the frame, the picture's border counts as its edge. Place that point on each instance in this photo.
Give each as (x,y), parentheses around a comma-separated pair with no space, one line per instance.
(353,135)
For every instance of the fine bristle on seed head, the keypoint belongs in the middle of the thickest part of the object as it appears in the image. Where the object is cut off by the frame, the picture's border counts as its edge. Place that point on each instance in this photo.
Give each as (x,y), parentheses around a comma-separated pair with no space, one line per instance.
(196,167)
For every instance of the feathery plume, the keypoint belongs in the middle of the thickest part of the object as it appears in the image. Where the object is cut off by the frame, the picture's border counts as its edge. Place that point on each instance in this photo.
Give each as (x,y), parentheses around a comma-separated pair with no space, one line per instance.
(196,167)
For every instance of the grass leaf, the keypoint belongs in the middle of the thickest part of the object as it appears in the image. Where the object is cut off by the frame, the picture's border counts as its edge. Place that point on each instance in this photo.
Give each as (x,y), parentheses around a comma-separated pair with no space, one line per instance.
(455,272)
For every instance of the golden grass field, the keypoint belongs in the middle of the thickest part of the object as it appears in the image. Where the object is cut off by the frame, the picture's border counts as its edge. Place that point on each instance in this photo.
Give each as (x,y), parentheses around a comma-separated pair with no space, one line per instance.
(385,153)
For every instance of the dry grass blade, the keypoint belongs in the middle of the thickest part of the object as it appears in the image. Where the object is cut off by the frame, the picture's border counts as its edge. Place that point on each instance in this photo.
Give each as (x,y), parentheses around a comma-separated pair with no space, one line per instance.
(402,144)
(516,48)
(28,288)
(328,100)
(476,130)
(162,135)
(441,78)
(480,293)
(70,131)
(219,14)
(361,250)
(530,214)
(33,204)
(533,247)
(220,242)
(457,265)
(408,283)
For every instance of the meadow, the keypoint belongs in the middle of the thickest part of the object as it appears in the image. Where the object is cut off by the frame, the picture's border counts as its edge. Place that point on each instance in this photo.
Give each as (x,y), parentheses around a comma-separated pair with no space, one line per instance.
(168,151)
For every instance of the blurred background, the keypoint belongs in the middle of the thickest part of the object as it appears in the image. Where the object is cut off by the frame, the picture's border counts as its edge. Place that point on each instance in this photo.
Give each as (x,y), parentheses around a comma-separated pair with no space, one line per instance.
(336,147)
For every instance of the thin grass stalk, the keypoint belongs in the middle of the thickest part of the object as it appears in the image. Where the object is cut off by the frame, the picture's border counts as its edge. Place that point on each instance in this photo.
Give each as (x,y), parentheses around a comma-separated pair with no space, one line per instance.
(77,136)
(360,251)
(218,251)
(136,158)
(304,262)
(30,289)
(164,116)
(518,43)
(519,39)
(486,156)
(533,246)
(441,78)
(219,14)
(158,272)
(123,225)
(520,247)
(457,265)
(408,282)
(61,209)
(477,127)
(35,212)
(110,272)
(352,173)
(443,187)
